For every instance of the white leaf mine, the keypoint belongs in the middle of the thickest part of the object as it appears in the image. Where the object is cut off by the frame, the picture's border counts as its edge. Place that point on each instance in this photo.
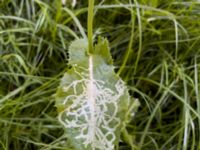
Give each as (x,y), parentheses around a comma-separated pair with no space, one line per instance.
(92,108)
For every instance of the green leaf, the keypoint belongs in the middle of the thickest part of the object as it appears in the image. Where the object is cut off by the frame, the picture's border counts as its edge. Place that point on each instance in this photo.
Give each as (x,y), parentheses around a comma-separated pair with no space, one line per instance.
(93,102)
(103,50)
(78,52)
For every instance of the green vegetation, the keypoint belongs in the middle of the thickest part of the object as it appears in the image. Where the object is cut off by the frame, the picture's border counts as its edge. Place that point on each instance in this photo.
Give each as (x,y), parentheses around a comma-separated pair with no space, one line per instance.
(155,46)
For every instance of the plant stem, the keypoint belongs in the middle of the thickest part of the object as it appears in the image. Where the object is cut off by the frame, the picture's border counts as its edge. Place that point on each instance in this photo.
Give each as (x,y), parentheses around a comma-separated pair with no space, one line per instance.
(90,25)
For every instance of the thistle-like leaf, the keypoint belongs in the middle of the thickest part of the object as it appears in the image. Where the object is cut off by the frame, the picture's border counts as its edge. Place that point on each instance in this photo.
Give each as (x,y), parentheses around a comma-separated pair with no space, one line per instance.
(93,102)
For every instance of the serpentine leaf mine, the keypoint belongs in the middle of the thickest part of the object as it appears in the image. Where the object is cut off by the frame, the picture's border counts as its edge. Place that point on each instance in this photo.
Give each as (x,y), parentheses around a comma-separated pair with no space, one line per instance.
(92,101)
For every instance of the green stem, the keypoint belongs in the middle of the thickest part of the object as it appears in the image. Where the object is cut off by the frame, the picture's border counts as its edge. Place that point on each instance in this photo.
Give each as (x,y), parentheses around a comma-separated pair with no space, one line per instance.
(140,35)
(90,25)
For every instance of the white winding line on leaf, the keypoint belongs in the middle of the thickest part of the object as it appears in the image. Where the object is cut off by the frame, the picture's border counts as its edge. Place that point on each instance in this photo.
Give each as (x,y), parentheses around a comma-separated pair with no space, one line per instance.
(87,110)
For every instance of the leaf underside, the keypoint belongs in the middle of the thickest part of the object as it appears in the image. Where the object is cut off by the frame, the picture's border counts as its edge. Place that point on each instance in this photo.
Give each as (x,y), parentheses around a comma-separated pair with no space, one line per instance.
(92,100)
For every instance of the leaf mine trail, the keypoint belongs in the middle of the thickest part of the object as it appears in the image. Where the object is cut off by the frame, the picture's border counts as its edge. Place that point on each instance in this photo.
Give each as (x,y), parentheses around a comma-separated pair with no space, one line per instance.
(93,100)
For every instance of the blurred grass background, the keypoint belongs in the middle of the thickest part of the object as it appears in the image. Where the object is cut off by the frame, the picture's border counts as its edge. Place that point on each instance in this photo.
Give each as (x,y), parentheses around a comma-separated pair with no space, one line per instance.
(155,45)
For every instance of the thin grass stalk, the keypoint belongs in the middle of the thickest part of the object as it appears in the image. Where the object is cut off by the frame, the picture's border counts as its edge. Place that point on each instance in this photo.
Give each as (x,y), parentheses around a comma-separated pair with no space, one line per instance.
(186,116)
